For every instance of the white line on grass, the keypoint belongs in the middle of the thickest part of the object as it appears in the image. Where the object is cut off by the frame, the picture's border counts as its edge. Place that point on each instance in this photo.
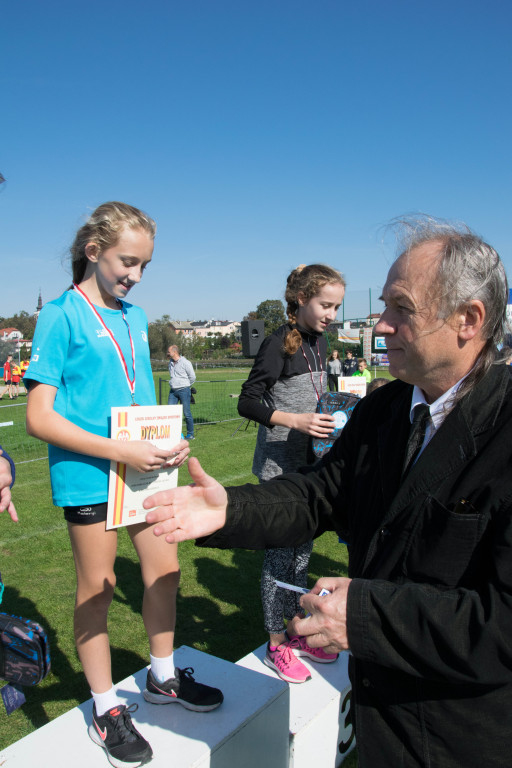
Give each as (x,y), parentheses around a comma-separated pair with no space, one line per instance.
(43,532)
(229,479)
(234,478)
(33,534)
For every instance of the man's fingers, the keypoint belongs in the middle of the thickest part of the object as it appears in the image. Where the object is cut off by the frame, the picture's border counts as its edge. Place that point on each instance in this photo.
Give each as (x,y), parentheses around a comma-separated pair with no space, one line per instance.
(162,528)
(12,511)
(171,529)
(160,499)
(197,473)
(158,515)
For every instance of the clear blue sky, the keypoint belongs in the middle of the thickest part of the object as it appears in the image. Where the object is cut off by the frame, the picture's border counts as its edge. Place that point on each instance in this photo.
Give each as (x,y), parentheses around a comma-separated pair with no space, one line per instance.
(260,134)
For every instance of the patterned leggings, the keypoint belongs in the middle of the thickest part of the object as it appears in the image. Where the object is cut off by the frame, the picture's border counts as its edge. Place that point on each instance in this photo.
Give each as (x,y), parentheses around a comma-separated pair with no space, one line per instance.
(288,564)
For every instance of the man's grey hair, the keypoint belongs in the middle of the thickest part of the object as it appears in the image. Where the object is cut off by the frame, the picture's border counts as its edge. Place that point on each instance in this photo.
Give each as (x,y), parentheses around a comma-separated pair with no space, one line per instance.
(469,269)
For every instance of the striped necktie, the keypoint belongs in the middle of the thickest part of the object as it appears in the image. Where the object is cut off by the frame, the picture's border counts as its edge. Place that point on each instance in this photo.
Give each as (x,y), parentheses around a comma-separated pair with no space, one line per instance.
(420,419)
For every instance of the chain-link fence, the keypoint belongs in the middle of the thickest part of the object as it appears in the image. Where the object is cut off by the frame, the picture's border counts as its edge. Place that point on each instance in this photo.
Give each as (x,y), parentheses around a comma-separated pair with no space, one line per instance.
(214,400)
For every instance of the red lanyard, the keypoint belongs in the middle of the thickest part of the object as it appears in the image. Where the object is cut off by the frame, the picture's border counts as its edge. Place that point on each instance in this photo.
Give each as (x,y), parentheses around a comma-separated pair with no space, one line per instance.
(131,382)
(311,372)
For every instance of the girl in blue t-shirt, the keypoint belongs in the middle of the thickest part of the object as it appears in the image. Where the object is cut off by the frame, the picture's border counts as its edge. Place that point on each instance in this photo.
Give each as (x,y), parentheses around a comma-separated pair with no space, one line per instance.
(90,352)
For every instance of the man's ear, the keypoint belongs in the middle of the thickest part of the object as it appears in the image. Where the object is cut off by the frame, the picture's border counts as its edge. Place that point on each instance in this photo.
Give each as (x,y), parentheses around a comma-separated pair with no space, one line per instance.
(471,318)
(92,251)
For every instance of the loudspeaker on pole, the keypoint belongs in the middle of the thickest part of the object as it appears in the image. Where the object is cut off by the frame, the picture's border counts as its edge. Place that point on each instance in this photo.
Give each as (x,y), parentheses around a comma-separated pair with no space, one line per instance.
(253,333)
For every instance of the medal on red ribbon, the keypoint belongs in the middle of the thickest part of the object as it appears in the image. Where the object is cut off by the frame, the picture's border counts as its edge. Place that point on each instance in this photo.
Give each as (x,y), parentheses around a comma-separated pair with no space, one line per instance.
(130,381)
(311,371)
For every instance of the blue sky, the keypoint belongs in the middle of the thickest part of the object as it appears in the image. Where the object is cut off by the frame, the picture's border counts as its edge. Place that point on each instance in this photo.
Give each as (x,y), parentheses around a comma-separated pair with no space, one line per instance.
(260,134)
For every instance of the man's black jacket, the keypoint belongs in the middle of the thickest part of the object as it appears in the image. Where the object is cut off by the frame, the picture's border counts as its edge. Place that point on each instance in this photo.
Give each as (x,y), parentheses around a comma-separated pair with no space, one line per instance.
(430,605)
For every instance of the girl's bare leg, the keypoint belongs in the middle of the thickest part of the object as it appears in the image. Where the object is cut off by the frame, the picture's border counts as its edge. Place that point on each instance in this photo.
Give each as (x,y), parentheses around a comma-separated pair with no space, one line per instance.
(161,577)
(94,551)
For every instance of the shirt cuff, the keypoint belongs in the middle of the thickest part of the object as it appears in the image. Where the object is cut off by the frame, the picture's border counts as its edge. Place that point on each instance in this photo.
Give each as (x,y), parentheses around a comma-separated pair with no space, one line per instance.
(357,615)
(11,462)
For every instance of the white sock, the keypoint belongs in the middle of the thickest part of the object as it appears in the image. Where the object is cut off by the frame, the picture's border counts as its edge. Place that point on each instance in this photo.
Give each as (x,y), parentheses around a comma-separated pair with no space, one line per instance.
(162,669)
(105,701)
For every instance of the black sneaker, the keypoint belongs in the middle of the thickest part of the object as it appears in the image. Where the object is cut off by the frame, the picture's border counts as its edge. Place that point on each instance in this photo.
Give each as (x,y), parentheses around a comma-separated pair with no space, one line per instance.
(183,690)
(115,732)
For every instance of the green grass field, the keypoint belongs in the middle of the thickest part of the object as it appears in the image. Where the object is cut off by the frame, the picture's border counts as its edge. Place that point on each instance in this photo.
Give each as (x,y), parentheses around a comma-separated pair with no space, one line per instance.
(219,602)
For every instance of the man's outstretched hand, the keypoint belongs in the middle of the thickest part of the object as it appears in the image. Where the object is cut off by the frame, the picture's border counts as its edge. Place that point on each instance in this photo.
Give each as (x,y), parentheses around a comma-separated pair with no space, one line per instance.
(190,511)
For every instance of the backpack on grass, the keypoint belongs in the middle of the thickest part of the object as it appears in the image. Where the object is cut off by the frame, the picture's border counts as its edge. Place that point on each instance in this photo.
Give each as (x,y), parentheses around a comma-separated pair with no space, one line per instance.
(24,649)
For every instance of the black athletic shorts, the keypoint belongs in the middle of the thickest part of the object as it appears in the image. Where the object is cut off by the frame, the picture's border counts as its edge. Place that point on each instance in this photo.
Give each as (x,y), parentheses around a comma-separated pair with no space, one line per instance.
(86,514)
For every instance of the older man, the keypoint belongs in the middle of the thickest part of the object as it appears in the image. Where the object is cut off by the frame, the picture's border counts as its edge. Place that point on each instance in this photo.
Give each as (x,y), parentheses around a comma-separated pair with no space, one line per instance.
(427,610)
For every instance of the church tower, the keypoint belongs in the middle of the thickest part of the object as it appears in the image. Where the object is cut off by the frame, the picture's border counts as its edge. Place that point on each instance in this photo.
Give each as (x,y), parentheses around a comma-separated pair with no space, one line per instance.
(39,305)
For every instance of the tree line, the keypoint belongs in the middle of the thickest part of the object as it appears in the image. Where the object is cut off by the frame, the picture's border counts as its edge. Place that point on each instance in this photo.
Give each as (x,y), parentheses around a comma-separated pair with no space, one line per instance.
(161,334)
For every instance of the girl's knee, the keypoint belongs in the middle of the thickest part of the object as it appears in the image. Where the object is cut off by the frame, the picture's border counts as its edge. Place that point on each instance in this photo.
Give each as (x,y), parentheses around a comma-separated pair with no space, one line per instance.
(98,595)
(167,583)
(172,580)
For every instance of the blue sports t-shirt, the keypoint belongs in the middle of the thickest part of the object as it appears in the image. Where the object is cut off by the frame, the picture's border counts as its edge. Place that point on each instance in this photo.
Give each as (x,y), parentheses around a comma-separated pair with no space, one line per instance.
(73,352)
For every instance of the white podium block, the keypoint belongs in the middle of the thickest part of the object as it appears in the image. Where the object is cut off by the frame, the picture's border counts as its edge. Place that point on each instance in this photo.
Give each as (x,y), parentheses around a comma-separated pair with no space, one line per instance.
(249,729)
(320,726)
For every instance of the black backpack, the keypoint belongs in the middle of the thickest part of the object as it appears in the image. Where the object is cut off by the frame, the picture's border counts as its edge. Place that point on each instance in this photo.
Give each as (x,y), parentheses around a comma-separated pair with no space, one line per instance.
(340,405)
(24,649)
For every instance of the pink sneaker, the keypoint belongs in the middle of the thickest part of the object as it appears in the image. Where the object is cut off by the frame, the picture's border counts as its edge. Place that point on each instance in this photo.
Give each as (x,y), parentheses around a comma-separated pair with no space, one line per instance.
(286,664)
(300,647)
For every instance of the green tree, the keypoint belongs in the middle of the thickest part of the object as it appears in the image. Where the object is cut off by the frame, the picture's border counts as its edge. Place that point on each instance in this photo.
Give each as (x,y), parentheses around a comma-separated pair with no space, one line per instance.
(271,312)
(161,336)
(22,321)
(193,347)
(7,348)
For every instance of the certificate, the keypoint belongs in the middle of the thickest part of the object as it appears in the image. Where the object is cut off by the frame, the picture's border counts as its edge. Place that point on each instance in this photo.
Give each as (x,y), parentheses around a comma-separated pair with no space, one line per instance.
(127,488)
(354,384)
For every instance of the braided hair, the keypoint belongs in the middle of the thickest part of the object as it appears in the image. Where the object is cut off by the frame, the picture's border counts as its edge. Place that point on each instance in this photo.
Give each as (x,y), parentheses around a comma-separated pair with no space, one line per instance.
(306,280)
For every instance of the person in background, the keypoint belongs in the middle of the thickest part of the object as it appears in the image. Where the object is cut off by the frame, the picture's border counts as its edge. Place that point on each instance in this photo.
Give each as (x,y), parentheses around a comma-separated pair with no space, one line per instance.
(7,470)
(24,365)
(349,364)
(182,376)
(333,370)
(15,378)
(375,384)
(362,370)
(281,394)
(8,378)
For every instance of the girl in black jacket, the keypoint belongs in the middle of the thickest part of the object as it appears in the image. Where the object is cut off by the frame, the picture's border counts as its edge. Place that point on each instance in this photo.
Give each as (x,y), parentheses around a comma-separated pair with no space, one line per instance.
(281,394)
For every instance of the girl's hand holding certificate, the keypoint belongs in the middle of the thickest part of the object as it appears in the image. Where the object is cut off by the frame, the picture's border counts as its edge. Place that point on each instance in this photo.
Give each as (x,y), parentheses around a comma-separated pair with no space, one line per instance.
(146,457)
